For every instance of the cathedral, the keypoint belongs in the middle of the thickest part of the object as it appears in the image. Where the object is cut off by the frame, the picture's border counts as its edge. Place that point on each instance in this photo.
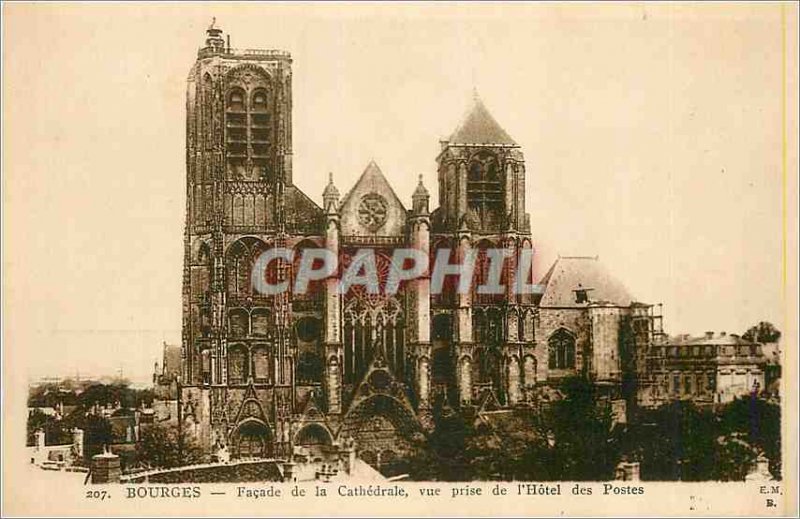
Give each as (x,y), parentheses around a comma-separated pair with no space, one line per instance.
(264,374)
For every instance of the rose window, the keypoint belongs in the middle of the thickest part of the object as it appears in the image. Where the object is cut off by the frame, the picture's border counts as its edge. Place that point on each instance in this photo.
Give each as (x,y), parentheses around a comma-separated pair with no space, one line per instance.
(372,211)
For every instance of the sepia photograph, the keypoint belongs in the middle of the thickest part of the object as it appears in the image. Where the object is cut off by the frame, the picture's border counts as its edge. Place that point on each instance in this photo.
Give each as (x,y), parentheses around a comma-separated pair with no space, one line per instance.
(400,259)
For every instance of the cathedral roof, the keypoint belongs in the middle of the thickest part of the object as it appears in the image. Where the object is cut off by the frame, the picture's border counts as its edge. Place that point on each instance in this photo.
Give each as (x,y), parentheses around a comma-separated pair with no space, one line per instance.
(372,179)
(573,273)
(479,127)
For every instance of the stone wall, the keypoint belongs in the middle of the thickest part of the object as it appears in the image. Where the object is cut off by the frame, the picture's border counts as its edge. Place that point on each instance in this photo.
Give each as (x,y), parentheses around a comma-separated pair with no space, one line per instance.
(574,320)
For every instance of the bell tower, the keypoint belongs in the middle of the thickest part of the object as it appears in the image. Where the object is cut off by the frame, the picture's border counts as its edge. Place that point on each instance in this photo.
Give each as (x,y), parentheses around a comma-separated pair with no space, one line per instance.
(482,211)
(238,165)
(482,176)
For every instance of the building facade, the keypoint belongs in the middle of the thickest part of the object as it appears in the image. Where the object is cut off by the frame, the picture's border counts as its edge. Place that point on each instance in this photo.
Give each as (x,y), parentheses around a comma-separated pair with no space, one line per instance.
(261,374)
(712,369)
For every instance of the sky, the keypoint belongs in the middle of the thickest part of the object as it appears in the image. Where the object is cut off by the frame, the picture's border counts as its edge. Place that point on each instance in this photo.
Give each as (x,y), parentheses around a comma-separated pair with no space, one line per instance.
(652,136)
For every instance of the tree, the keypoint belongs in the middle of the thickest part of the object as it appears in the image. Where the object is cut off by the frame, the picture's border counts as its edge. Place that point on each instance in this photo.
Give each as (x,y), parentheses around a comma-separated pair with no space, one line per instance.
(758,423)
(97,434)
(676,442)
(583,444)
(763,332)
(159,447)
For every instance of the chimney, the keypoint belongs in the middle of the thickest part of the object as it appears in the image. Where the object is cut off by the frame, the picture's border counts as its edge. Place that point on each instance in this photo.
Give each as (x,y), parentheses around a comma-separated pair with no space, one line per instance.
(722,334)
(709,335)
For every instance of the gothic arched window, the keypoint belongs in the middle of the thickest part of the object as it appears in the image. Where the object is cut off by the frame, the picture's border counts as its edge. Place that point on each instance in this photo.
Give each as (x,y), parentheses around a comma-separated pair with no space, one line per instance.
(248,124)
(236,100)
(238,365)
(260,322)
(259,100)
(561,350)
(261,363)
(485,265)
(240,259)
(308,331)
(238,323)
(236,130)
(442,336)
(448,294)
(259,124)
(485,190)
(373,325)
(314,289)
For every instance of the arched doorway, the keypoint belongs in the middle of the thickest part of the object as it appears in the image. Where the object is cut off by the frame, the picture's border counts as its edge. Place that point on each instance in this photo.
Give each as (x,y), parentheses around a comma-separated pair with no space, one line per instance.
(378,425)
(313,434)
(315,440)
(252,439)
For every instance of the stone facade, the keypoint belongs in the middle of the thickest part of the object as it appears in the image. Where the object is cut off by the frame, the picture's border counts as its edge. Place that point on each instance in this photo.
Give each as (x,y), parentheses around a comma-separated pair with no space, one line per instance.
(706,370)
(263,374)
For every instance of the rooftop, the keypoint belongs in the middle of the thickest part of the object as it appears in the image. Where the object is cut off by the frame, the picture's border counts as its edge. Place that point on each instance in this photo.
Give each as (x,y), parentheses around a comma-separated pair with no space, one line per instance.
(479,127)
(573,276)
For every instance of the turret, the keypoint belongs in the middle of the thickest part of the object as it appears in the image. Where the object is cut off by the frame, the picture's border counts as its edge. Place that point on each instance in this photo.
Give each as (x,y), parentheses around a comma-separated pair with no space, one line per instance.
(330,197)
(333,333)
(214,39)
(420,297)
(420,199)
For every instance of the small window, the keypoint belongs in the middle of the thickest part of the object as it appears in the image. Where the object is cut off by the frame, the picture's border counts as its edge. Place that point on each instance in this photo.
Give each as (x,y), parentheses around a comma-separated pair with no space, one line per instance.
(259,101)
(475,171)
(562,350)
(236,101)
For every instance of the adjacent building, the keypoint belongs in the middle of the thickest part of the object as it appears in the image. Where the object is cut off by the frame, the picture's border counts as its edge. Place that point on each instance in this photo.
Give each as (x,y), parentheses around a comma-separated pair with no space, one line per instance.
(706,370)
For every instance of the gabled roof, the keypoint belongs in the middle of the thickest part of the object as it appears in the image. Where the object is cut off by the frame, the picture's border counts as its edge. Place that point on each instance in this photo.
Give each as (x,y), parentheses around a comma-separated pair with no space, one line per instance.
(371,179)
(479,127)
(570,273)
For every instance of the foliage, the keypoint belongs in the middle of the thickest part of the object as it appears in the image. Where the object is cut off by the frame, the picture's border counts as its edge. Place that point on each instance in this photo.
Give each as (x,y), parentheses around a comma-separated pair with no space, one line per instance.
(55,432)
(159,447)
(105,394)
(583,445)
(96,434)
(443,456)
(573,441)
(675,442)
(50,395)
(757,422)
(679,441)
(762,332)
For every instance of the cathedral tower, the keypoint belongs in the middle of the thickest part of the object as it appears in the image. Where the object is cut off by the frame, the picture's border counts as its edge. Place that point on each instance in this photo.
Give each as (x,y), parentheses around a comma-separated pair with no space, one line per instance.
(481,173)
(243,351)
(238,158)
